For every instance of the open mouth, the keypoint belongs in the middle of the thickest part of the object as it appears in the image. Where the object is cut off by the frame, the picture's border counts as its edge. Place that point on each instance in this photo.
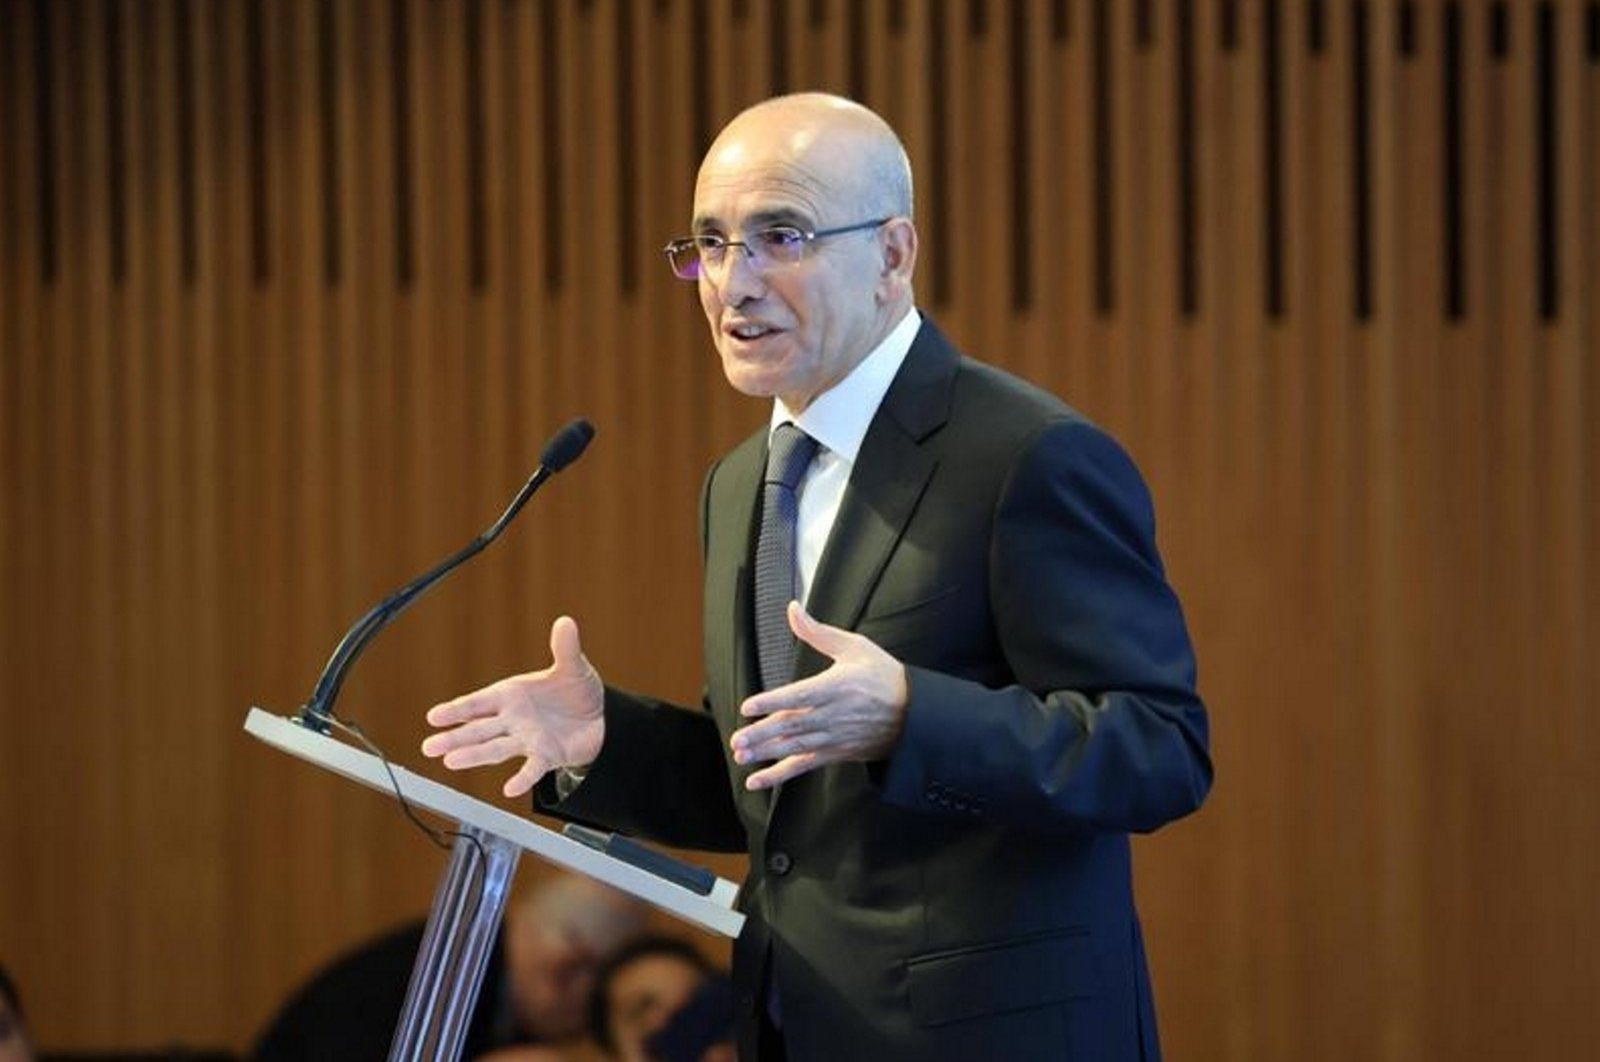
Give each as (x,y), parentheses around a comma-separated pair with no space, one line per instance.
(749,333)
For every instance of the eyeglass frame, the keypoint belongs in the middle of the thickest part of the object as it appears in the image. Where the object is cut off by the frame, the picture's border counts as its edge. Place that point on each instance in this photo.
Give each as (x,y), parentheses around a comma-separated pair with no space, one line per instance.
(808,237)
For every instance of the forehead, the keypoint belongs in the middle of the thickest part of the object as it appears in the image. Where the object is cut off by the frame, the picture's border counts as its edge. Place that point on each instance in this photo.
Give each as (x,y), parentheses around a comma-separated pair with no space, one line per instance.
(769,170)
(740,198)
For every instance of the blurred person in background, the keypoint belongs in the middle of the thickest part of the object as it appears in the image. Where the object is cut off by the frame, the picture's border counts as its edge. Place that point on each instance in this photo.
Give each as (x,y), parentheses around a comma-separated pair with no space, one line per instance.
(555,943)
(660,1000)
(535,988)
(14,1044)
(524,1053)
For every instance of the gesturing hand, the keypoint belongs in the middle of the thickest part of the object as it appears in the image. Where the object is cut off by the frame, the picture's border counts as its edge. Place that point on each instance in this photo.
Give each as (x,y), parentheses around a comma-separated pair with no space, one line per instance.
(551,718)
(855,710)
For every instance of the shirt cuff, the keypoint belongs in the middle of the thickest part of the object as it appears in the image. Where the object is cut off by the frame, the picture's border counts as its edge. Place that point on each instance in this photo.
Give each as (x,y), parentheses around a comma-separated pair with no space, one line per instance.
(568,779)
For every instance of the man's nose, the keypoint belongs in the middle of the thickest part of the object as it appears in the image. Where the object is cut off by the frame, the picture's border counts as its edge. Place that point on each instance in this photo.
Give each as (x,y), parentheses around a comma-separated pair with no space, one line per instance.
(738,279)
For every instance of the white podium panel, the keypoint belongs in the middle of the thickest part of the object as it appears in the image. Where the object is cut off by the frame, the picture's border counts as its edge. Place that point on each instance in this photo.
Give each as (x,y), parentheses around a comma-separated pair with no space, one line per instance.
(713,912)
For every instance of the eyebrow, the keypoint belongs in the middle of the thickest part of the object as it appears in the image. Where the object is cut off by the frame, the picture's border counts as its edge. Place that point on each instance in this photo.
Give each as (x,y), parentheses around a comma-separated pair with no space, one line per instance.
(760,220)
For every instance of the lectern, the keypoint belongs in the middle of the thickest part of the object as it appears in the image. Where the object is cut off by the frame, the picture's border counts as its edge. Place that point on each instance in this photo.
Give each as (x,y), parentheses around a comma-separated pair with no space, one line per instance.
(471,897)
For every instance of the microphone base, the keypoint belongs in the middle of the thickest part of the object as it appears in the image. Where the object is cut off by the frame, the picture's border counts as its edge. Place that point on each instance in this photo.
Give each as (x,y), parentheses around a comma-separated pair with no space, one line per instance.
(313,720)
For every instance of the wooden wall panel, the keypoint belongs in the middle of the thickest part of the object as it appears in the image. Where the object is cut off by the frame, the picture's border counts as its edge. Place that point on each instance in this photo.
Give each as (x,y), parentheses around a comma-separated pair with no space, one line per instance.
(291,293)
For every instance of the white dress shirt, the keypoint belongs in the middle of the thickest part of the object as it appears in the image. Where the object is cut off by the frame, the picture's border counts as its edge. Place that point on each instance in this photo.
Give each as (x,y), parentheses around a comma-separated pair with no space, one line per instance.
(838,419)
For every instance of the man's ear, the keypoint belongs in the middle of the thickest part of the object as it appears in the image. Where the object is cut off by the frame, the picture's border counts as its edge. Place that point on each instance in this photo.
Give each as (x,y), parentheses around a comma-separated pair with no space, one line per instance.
(899,249)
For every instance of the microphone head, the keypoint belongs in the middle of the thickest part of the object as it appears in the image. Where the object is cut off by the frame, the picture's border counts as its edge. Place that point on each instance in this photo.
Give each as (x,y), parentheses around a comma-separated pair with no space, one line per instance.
(567,445)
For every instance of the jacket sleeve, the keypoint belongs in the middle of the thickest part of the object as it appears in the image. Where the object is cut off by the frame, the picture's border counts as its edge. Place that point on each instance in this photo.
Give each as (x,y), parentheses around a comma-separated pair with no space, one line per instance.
(661,774)
(1102,728)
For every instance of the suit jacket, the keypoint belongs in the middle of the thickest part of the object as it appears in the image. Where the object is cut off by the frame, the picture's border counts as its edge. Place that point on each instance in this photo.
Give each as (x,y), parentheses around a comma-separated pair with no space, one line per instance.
(969,897)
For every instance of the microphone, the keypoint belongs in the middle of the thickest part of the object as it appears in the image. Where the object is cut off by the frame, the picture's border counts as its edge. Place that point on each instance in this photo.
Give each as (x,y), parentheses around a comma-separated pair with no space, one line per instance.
(564,447)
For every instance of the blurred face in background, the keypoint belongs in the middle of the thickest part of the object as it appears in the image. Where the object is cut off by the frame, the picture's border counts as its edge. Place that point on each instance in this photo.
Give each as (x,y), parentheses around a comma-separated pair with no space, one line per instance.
(13,1040)
(645,994)
(555,942)
(552,973)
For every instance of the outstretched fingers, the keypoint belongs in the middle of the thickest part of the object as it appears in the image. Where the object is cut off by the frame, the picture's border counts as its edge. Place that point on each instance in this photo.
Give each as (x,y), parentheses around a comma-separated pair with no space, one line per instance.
(527,777)
(468,735)
(780,772)
(472,705)
(494,750)
(473,717)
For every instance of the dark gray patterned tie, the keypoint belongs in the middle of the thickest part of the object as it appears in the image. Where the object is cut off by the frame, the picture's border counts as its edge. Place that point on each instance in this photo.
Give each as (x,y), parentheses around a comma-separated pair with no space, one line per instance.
(777,577)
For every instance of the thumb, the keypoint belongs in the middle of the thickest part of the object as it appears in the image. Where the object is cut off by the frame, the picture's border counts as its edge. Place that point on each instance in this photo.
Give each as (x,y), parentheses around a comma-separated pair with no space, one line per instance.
(829,641)
(565,649)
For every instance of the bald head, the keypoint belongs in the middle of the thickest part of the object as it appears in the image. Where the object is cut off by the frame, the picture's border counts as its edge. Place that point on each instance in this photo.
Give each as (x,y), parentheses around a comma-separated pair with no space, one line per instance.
(556,936)
(600,916)
(831,147)
(830,179)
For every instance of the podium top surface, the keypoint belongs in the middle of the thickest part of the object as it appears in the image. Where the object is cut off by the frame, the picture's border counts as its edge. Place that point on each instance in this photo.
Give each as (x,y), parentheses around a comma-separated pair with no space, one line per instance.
(714,912)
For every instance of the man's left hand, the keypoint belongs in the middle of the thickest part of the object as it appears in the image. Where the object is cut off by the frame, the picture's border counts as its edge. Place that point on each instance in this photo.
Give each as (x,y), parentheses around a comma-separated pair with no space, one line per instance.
(855,710)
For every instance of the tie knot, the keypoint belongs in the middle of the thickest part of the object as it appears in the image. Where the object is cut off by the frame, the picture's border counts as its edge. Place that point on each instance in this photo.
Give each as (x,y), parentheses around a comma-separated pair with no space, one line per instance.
(790,451)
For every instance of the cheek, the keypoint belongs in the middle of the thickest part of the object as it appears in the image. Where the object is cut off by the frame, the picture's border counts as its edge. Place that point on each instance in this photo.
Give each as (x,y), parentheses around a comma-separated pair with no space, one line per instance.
(709,302)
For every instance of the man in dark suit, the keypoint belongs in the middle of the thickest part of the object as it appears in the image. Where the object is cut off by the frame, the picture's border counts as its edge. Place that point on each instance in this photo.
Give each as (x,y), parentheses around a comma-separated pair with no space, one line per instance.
(993,684)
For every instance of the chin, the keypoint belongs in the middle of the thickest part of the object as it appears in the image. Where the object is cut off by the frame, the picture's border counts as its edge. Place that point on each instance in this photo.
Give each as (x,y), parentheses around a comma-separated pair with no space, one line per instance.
(750,380)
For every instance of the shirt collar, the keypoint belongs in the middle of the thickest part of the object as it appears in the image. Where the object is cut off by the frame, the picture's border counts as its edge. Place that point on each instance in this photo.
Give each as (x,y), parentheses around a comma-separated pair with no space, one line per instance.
(839,417)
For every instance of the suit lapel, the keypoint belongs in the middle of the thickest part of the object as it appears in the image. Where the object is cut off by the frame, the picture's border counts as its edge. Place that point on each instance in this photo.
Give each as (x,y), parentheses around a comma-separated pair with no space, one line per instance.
(885,486)
(730,534)
(890,474)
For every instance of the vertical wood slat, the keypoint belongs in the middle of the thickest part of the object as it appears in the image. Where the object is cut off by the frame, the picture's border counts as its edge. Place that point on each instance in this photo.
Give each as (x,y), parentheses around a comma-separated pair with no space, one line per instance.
(221,288)
(1585,338)
(44,100)
(523,299)
(1269,413)
(1339,769)
(936,215)
(1257,896)
(1547,209)
(982,282)
(1567,577)
(1452,192)
(1019,113)
(399,25)
(1105,191)
(1361,216)
(1513,363)
(1191,493)
(143,422)
(1453,480)
(22,271)
(13,276)
(85,267)
(1032,260)
(1403,421)
(283,319)
(203,469)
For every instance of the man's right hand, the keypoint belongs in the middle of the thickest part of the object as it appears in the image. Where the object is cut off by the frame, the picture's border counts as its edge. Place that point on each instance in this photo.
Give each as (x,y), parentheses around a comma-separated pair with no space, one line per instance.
(551,718)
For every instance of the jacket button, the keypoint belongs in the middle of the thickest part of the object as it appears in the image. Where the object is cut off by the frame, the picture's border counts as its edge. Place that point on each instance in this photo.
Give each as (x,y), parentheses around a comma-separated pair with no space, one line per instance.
(779,863)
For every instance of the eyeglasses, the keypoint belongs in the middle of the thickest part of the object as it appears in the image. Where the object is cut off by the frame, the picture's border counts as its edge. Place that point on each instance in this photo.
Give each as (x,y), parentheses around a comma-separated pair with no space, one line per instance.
(691,256)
